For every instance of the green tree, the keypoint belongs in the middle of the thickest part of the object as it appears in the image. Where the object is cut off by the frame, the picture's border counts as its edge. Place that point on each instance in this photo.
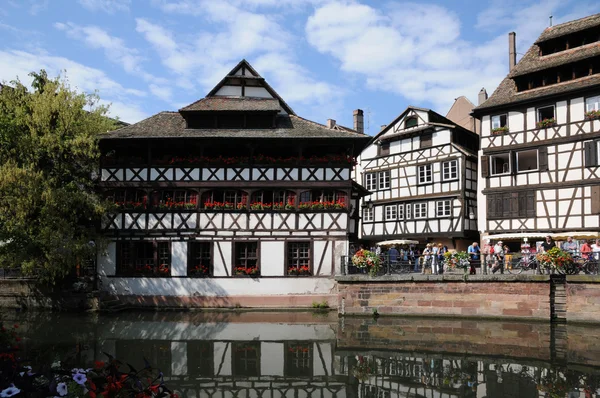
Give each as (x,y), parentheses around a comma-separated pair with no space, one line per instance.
(49,209)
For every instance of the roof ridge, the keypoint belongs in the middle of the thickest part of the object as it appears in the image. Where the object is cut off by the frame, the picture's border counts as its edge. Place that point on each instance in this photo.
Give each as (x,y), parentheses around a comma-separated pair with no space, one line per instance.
(572,21)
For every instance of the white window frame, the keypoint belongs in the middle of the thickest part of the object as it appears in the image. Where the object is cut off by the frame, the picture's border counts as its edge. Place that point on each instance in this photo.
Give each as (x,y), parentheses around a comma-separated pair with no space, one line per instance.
(368,214)
(445,206)
(371,181)
(537,154)
(420,210)
(595,101)
(497,121)
(408,208)
(447,169)
(492,166)
(391,212)
(425,174)
(384,179)
(401,212)
(537,112)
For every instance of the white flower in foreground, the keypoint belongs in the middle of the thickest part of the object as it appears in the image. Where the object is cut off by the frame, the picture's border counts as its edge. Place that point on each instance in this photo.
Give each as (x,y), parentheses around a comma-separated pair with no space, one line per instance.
(61,389)
(10,391)
(80,378)
(56,365)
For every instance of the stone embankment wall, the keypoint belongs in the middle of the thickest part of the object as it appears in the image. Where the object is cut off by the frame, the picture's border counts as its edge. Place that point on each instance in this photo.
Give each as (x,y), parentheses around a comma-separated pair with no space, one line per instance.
(583,298)
(27,294)
(507,296)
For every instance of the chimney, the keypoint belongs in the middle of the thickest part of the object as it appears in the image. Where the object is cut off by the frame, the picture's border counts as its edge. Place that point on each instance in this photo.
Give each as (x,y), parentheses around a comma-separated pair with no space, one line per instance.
(482,97)
(359,124)
(383,126)
(512,51)
(330,123)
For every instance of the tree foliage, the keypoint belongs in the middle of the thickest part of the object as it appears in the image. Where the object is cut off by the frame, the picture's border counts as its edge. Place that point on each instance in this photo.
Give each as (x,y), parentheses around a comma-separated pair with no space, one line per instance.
(49,210)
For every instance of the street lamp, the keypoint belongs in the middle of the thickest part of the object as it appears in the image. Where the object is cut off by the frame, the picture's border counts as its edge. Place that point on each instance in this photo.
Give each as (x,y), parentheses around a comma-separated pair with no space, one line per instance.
(471,214)
(370,204)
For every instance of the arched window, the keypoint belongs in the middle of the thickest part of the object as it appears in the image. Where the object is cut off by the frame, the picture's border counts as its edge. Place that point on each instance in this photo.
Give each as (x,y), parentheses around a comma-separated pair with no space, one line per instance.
(225,199)
(128,198)
(174,199)
(411,121)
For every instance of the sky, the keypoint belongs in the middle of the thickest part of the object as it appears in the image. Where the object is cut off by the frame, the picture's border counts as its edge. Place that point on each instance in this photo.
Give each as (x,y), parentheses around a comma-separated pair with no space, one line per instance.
(324,57)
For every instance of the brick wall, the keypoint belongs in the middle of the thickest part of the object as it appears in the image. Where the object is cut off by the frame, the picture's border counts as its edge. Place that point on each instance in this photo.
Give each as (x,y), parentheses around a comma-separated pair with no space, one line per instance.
(484,338)
(583,298)
(498,297)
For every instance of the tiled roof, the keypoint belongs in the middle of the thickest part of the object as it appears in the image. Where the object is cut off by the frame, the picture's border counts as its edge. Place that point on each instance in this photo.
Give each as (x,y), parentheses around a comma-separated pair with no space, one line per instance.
(569,27)
(533,62)
(172,125)
(225,104)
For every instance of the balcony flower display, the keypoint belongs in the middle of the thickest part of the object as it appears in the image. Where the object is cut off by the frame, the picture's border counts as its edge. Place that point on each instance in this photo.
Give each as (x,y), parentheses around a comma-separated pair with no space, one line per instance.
(367,260)
(542,124)
(454,260)
(325,205)
(199,270)
(132,205)
(303,270)
(284,206)
(500,130)
(251,271)
(164,270)
(169,204)
(592,115)
(555,260)
(365,367)
(260,206)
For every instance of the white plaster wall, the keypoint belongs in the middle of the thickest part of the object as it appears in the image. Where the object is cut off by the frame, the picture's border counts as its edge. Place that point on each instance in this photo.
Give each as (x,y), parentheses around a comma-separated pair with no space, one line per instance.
(179,258)
(272,356)
(230,90)
(340,249)
(531,118)
(271,259)
(221,350)
(423,115)
(485,126)
(220,287)
(440,137)
(221,268)
(516,121)
(322,354)
(369,152)
(259,92)
(561,112)
(481,200)
(577,109)
(322,249)
(107,261)
(179,358)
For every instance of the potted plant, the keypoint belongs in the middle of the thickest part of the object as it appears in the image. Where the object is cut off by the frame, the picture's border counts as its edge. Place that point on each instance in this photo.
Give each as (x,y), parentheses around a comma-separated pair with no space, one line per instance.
(249,271)
(546,123)
(500,130)
(592,115)
(367,261)
(555,260)
(199,271)
(456,260)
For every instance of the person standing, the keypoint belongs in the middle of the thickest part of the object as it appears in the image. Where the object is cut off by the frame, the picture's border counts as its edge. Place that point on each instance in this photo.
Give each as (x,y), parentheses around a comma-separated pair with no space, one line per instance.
(426,257)
(473,251)
(570,245)
(499,254)
(586,250)
(434,258)
(393,255)
(440,258)
(548,244)
(596,249)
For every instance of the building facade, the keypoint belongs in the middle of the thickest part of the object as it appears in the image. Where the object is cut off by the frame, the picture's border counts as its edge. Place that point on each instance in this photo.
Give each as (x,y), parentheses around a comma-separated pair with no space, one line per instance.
(422,172)
(231,198)
(539,138)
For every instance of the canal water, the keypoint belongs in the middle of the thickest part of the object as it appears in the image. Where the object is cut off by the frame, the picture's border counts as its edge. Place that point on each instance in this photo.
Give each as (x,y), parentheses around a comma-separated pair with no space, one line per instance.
(318,355)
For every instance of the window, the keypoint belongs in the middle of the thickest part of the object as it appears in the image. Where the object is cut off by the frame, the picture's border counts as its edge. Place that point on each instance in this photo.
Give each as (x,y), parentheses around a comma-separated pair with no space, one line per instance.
(391,212)
(400,212)
(591,153)
(367,214)
(174,199)
(545,113)
(498,121)
(371,181)
(425,174)
(143,258)
(426,140)
(527,160)
(450,170)
(511,205)
(278,200)
(246,358)
(592,104)
(443,208)
(199,261)
(246,258)
(200,358)
(384,179)
(420,210)
(408,209)
(131,199)
(298,360)
(298,258)
(500,164)
(213,200)
(383,149)
(411,121)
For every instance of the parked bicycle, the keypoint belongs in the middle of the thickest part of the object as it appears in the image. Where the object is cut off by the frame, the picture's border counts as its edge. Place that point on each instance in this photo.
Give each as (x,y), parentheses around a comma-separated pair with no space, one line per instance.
(525,263)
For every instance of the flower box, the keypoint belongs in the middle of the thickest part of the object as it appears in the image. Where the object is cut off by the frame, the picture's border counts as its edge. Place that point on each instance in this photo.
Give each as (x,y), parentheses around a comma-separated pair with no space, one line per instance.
(243,271)
(500,130)
(592,115)
(199,271)
(546,123)
(299,271)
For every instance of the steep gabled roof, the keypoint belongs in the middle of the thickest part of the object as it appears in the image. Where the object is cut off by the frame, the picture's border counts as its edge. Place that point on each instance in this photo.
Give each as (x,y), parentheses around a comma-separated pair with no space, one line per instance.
(435,119)
(225,104)
(506,92)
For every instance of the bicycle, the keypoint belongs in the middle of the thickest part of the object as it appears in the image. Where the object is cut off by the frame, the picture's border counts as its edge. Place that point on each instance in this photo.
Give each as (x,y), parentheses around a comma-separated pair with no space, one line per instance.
(587,265)
(525,263)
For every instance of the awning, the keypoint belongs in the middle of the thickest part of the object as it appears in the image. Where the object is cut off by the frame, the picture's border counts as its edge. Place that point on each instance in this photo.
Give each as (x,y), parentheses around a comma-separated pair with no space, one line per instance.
(398,242)
(517,235)
(576,235)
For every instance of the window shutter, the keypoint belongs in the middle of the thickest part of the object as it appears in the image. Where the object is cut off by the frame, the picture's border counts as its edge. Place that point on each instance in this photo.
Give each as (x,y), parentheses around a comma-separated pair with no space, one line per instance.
(485,166)
(531,205)
(491,206)
(543,158)
(591,155)
(513,162)
(596,199)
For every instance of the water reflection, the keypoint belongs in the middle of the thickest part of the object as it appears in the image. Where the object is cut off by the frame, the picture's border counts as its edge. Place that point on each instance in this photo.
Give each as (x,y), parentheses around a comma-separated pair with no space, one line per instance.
(302,355)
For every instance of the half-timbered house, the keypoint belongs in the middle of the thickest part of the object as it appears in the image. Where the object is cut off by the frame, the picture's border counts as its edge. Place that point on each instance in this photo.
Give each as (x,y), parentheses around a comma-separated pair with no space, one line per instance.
(232,198)
(539,137)
(421,170)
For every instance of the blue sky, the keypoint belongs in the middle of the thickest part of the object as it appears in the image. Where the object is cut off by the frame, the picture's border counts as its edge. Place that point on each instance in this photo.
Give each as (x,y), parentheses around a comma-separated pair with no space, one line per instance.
(324,57)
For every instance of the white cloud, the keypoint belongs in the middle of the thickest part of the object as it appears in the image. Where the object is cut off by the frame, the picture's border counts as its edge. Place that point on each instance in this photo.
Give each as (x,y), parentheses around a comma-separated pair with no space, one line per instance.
(108,6)
(18,64)
(163,92)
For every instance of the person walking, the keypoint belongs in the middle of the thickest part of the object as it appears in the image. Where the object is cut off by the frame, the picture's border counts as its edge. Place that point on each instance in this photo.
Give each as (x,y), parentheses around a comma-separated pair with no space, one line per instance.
(499,255)
(426,257)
